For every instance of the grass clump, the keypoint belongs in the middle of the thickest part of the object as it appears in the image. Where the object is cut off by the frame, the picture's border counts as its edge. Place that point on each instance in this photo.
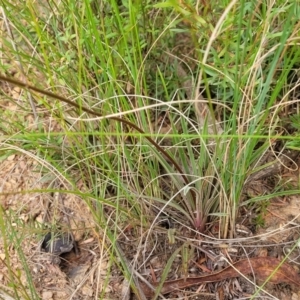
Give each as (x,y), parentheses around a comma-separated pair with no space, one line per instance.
(115,97)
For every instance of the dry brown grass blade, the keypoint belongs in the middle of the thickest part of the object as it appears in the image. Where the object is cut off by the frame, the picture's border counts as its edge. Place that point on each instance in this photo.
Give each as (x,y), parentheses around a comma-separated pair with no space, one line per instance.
(263,267)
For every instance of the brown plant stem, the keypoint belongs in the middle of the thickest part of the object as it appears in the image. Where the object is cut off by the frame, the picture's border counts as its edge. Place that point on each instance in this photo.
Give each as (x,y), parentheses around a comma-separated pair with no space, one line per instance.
(87,110)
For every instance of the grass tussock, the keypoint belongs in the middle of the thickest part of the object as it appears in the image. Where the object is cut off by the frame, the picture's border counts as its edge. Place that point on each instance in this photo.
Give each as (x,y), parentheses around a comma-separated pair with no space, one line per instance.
(105,99)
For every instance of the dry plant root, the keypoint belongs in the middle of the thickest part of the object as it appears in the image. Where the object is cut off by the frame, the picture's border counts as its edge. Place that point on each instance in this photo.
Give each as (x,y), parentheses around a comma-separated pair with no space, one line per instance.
(263,267)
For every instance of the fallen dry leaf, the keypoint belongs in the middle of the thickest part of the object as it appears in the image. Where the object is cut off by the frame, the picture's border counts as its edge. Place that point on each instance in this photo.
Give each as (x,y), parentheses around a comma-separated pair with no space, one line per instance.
(263,267)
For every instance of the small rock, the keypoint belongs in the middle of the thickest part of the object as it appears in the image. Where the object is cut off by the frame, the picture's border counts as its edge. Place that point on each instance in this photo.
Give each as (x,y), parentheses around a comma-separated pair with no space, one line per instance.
(87,291)
(46,295)
(11,157)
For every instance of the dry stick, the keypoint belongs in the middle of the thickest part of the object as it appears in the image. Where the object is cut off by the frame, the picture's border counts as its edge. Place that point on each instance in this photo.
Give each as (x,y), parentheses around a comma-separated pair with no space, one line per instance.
(87,110)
